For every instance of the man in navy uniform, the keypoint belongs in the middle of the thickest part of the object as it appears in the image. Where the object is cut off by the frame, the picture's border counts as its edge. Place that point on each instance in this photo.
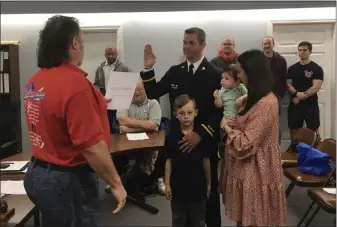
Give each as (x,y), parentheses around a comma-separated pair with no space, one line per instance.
(198,78)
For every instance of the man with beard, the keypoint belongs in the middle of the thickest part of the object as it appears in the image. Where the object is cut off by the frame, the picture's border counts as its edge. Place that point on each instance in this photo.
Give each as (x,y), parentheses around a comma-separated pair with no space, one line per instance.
(227,54)
(198,78)
(278,66)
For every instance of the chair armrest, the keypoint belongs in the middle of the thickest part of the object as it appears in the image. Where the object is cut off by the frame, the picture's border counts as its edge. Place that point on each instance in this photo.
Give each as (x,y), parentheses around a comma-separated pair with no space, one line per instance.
(8,149)
(9,144)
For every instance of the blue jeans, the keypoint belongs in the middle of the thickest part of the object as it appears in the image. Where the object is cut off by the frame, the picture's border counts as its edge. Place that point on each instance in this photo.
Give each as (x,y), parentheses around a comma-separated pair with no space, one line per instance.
(65,199)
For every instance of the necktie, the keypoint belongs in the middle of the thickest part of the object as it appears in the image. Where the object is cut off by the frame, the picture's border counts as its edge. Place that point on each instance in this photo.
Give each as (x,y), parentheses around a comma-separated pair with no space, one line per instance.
(190,70)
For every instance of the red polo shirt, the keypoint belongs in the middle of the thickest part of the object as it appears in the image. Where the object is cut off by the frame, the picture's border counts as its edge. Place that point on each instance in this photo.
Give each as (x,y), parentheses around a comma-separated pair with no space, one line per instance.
(65,113)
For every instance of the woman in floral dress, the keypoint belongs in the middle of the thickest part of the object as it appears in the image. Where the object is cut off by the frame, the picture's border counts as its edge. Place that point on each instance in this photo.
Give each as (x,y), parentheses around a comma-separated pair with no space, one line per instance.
(251,179)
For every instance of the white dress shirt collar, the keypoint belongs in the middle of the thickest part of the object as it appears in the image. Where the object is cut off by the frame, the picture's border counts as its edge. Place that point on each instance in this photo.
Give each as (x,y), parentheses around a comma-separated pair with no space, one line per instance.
(195,64)
(112,64)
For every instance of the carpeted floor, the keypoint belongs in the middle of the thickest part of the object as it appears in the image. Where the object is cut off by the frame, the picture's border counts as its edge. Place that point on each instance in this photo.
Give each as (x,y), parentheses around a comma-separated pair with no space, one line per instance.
(132,215)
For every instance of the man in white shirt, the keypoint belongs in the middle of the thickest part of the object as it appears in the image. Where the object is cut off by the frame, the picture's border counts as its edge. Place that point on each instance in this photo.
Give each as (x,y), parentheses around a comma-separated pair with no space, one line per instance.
(143,115)
(111,64)
(102,74)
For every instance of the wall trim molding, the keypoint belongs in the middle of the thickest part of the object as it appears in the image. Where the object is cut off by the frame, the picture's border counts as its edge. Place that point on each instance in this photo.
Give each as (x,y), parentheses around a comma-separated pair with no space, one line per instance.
(10,43)
(99,29)
(302,22)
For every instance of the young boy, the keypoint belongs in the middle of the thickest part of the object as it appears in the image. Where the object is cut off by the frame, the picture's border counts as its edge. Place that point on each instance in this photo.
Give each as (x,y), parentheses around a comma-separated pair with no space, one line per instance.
(186,170)
(226,98)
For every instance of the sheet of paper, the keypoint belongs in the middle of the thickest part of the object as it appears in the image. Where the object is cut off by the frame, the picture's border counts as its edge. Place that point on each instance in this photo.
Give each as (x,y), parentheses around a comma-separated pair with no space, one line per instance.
(24,171)
(5,55)
(6,83)
(330,190)
(137,136)
(1,61)
(13,187)
(14,165)
(121,87)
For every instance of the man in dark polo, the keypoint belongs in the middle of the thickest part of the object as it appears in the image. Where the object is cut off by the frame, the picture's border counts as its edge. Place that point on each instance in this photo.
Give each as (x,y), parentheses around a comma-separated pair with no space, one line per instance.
(198,78)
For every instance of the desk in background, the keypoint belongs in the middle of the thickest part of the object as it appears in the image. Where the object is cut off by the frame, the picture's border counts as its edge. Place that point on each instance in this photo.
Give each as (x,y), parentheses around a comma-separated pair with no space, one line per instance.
(120,145)
(24,208)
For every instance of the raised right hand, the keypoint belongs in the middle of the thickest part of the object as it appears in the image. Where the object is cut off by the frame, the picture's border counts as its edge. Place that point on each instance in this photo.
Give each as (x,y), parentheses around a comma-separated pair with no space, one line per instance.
(149,57)
(120,195)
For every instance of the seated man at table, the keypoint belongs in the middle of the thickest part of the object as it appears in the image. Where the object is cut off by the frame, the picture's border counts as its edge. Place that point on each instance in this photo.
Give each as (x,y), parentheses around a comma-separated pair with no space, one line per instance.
(143,115)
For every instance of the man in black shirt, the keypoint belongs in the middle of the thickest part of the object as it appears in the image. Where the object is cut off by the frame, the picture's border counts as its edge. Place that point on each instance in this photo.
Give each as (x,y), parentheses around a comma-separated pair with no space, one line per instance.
(304,80)
(198,78)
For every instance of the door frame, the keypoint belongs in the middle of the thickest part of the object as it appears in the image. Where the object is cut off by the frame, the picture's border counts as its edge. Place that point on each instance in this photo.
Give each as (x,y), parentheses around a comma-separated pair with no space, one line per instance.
(270,32)
(108,29)
(333,90)
(99,29)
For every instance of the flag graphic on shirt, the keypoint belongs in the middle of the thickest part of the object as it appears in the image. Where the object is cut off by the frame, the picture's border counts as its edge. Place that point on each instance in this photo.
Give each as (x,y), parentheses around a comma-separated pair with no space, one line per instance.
(32,101)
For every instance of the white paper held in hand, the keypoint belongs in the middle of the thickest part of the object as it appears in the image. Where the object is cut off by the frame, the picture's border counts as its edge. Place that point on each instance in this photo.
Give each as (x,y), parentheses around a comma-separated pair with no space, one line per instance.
(121,87)
(13,187)
(137,136)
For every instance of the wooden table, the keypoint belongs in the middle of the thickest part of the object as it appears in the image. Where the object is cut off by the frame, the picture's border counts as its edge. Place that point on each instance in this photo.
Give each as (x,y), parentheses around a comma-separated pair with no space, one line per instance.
(120,145)
(24,208)
(23,156)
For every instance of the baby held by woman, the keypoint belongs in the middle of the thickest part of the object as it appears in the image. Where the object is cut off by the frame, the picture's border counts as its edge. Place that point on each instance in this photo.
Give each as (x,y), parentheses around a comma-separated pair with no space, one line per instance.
(229,96)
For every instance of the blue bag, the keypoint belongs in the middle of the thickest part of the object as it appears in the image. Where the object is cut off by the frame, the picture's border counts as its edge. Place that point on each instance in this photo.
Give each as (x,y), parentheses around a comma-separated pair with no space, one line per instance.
(312,161)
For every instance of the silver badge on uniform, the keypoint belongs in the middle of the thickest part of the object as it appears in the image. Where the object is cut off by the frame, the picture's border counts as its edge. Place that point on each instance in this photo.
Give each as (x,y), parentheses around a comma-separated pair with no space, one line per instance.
(174,86)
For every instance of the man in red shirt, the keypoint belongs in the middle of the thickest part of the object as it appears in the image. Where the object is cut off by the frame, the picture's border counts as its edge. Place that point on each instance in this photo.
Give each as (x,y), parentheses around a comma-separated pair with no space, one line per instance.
(69,132)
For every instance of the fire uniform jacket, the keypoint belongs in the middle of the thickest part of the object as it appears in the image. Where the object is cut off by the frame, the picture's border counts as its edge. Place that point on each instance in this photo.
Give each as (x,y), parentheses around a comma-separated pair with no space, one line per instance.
(200,86)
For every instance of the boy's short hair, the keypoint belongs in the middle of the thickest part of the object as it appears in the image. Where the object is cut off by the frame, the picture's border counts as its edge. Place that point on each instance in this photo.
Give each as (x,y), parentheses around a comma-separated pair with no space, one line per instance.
(181,101)
(232,71)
